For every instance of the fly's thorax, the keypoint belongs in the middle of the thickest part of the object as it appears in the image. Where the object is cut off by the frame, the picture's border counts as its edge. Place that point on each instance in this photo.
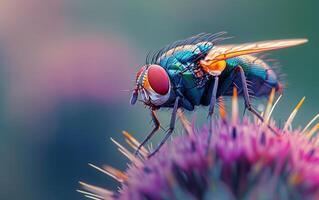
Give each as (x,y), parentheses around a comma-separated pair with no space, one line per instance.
(153,84)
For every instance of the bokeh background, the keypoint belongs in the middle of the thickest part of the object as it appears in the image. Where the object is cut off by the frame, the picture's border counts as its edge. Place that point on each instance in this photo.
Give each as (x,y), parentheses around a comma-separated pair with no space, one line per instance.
(66,66)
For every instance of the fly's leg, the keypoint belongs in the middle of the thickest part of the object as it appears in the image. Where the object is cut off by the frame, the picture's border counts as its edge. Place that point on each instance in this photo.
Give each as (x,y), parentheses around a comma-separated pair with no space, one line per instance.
(247,99)
(148,137)
(171,127)
(211,111)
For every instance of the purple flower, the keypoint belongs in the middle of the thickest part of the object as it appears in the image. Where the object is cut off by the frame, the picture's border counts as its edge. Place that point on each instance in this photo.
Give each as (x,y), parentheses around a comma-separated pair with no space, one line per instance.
(245,161)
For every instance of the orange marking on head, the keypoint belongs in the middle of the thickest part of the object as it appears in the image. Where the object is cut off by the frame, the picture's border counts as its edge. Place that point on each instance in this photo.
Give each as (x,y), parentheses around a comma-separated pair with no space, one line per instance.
(146,83)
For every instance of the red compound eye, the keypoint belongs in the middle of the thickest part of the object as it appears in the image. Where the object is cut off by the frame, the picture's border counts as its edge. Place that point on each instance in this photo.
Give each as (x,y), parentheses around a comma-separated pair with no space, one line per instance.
(158,79)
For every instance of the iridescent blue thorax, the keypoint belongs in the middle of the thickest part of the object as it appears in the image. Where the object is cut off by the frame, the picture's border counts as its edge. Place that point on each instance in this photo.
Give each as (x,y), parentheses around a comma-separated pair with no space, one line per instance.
(185,74)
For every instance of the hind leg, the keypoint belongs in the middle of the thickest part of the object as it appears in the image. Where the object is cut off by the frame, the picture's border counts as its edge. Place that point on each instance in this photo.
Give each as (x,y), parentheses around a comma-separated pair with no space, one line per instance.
(171,127)
(248,104)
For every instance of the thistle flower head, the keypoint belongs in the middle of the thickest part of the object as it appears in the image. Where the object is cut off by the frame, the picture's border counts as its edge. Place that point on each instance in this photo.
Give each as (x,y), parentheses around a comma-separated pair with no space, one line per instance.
(245,161)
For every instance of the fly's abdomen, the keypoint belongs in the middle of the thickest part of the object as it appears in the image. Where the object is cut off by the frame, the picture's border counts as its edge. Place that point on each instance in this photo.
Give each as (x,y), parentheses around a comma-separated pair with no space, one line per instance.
(260,76)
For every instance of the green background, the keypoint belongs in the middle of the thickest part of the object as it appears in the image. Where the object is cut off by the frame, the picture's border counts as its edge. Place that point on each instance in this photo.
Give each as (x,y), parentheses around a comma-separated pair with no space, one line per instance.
(48,135)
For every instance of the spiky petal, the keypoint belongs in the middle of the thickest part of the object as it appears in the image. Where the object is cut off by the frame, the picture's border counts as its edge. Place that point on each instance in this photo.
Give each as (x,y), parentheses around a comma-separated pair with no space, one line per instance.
(247,161)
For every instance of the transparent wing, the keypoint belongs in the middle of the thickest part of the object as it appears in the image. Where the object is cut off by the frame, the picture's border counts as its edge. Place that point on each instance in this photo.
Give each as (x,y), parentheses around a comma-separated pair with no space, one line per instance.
(223,52)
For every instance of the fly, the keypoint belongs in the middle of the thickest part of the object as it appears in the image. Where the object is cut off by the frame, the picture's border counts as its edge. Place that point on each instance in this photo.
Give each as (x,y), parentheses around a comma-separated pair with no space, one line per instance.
(197,71)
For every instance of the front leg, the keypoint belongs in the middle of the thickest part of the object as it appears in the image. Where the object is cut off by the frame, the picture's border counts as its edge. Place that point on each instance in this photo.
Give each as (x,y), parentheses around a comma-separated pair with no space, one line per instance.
(148,137)
(247,98)
(171,127)
(211,110)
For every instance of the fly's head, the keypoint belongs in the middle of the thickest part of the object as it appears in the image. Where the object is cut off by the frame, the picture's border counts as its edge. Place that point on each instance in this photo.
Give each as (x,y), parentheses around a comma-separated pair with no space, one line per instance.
(153,85)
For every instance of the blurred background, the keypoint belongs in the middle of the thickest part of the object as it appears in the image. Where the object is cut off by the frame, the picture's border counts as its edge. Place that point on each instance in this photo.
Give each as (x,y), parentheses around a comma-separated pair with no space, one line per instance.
(65,66)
